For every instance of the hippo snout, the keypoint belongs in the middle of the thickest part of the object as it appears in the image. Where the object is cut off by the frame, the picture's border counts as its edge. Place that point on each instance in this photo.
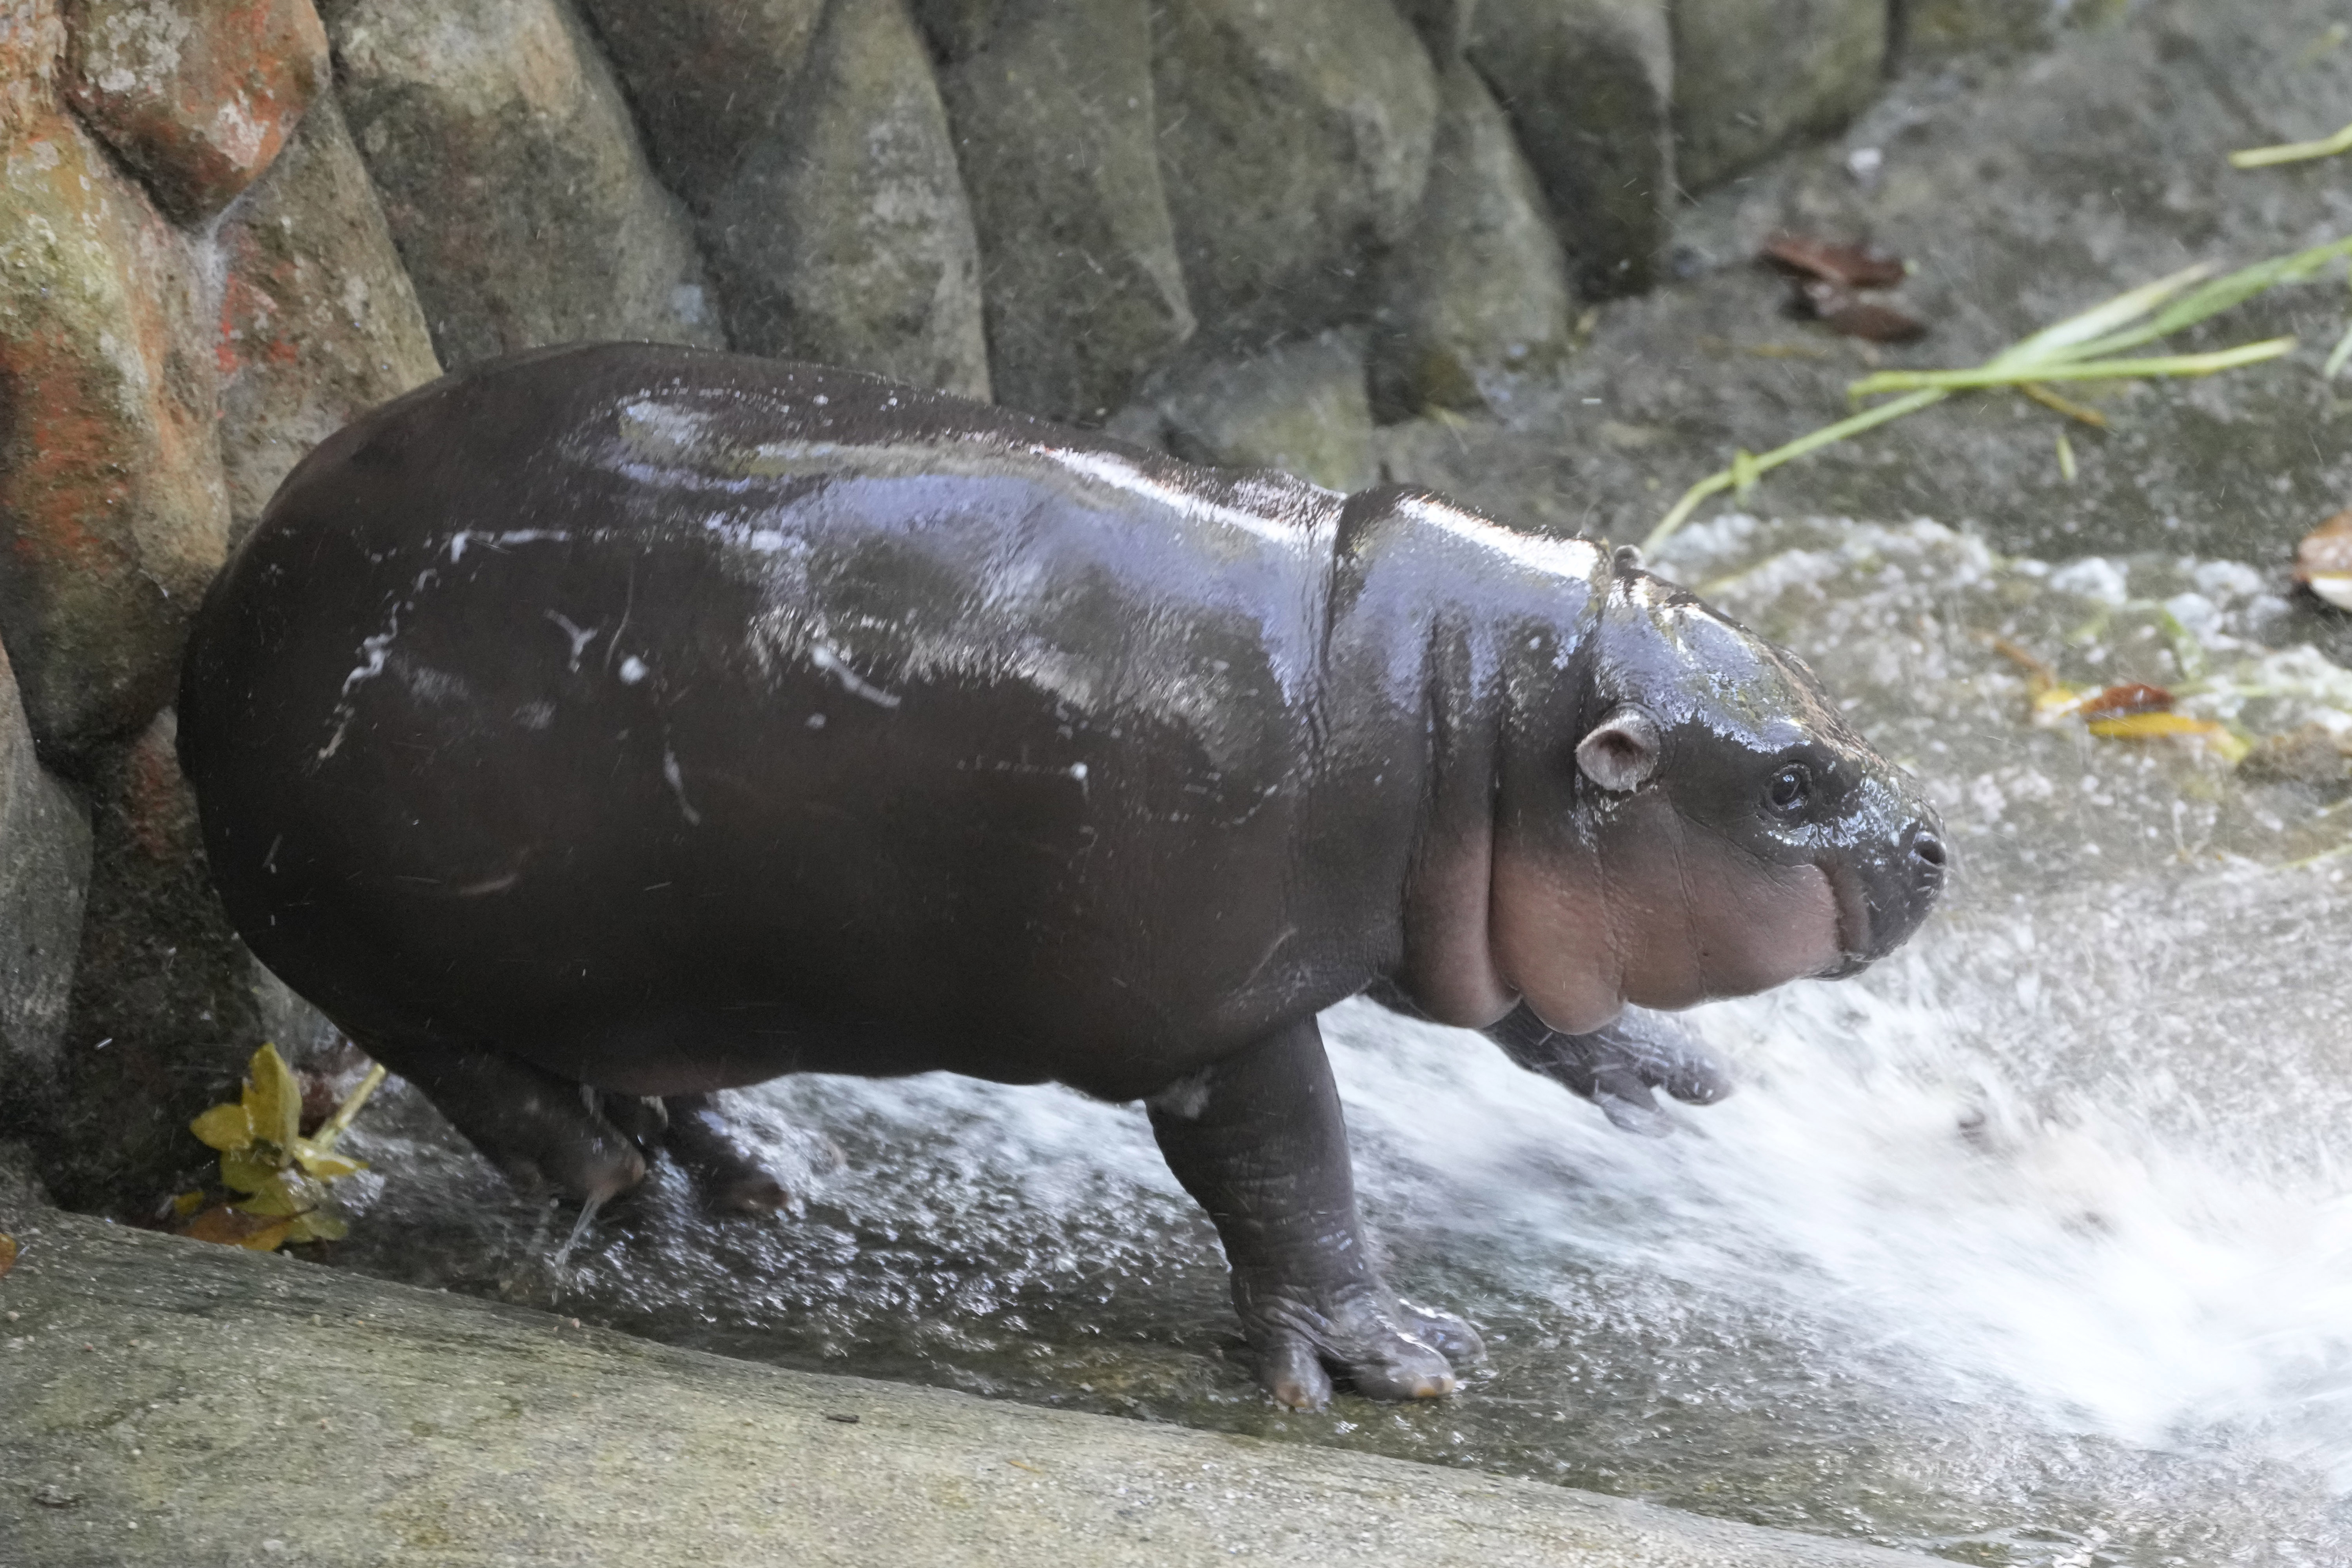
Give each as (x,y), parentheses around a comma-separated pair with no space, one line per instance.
(1882,899)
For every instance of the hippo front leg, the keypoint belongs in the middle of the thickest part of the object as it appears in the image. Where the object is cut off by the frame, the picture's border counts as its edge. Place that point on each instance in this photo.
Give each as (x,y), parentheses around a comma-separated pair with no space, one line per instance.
(1259,1141)
(1617,1067)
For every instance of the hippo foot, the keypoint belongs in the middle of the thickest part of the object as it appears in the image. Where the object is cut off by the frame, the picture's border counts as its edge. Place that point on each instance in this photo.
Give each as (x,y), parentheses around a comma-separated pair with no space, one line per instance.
(1258,1139)
(1384,1351)
(643,1121)
(1619,1067)
(730,1178)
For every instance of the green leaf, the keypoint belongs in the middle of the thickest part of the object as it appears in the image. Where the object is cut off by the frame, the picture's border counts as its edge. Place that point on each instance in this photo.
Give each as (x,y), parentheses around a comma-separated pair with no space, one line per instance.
(289,1193)
(273,1097)
(318,1224)
(224,1127)
(249,1170)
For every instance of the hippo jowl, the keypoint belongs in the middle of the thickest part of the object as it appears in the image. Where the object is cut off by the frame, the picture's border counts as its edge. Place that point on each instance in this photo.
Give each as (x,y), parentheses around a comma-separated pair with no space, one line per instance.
(659,721)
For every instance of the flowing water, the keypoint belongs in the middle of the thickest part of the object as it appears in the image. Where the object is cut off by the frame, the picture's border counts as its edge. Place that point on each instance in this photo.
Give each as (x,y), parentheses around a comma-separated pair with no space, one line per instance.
(2031,1245)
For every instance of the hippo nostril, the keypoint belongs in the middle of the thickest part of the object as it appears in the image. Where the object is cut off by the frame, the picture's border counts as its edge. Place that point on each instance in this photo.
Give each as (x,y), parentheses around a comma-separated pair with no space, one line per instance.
(1928,848)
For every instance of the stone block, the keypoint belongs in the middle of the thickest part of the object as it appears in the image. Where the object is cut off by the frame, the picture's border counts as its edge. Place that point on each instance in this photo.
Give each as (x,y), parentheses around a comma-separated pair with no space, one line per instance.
(1052,112)
(111,507)
(1444,25)
(1588,87)
(842,234)
(164,1010)
(512,178)
(44,878)
(1294,146)
(319,322)
(708,77)
(1479,292)
(1301,407)
(1752,76)
(1930,29)
(197,96)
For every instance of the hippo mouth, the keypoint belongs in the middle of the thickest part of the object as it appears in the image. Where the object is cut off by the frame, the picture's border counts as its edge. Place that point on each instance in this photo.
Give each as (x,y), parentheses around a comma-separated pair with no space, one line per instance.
(1854,921)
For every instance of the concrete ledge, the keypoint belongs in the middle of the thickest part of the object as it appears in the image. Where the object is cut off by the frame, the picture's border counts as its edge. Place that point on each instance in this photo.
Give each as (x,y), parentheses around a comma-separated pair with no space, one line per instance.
(167,1403)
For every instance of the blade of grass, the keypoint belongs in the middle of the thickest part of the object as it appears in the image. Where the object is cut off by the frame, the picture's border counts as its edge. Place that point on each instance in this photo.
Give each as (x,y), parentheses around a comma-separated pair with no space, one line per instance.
(334,1126)
(2067,406)
(2218,296)
(2087,369)
(2336,356)
(2293,152)
(2066,350)
(1765,462)
(2100,319)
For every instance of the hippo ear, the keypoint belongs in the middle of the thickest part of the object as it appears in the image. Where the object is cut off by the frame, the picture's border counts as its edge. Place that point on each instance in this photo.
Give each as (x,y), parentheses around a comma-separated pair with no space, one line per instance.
(1622,752)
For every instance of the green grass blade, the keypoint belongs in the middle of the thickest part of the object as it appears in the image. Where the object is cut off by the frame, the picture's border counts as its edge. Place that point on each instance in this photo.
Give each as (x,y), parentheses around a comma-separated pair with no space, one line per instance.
(2221,294)
(2293,152)
(2083,370)
(1763,463)
(2099,320)
(2336,356)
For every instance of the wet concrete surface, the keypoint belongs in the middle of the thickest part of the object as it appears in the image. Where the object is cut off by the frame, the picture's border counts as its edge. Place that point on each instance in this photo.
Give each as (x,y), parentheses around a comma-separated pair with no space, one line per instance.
(186,1405)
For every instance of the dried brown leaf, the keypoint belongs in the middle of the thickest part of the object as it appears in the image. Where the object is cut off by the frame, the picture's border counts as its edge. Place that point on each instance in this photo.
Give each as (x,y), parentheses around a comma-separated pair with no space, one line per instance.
(1874,323)
(1848,262)
(2125,700)
(229,1227)
(7,1253)
(2323,562)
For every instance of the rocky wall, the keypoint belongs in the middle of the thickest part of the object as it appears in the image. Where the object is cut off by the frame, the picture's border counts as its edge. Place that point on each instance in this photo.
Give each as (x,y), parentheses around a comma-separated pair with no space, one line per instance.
(1243,229)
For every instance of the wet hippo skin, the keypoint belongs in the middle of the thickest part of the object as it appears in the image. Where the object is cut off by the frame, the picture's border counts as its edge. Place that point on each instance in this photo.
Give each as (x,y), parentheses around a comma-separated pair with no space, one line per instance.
(619,724)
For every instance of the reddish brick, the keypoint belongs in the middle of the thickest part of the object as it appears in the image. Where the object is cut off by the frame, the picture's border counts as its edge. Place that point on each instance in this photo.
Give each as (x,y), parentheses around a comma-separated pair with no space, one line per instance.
(32,36)
(112,510)
(197,95)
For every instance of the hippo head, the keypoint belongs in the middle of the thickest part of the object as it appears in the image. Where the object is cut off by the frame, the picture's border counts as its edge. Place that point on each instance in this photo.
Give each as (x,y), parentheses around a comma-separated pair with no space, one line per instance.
(1688,818)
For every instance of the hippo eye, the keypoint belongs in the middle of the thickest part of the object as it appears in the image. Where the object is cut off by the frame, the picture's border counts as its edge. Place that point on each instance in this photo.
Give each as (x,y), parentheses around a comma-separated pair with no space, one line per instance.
(1791,789)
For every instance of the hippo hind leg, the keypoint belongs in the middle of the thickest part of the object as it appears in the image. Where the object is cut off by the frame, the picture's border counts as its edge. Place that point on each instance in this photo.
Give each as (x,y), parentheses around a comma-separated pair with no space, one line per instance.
(1259,1141)
(731,1178)
(544,1132)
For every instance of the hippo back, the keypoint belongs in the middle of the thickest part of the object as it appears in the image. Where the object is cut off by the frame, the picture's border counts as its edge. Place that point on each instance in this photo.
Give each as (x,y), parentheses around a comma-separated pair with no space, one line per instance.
(603,698)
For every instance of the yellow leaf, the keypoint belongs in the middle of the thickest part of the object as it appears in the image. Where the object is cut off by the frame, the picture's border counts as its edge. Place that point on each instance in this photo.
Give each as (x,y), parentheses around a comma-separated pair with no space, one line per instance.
(249,1170)
(273,1099)
(187,1203)
(327,1167)
(2053,703)
(2155,726)
(268,1238)
(318,1224)
(224,1127)
(228,1227)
